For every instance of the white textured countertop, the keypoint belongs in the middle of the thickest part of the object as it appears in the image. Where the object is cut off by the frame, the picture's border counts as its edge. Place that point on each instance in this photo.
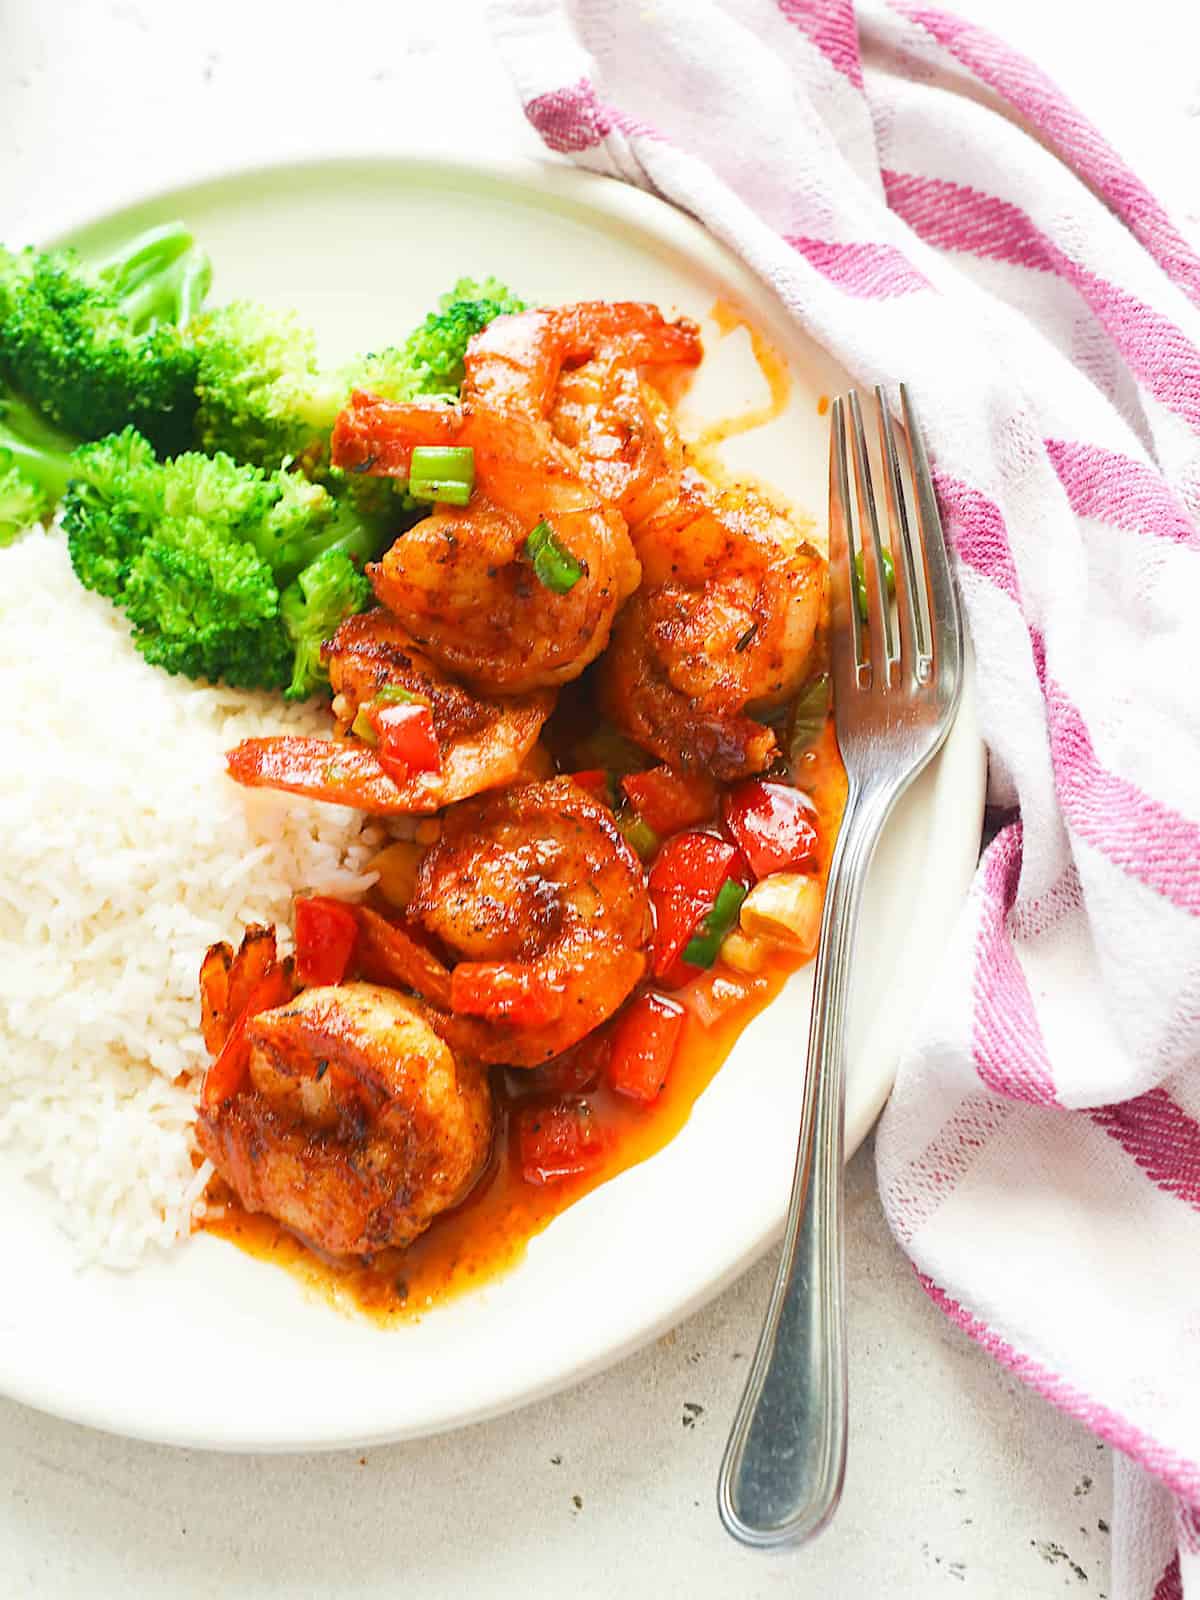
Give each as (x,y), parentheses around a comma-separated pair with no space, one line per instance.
(960,1481)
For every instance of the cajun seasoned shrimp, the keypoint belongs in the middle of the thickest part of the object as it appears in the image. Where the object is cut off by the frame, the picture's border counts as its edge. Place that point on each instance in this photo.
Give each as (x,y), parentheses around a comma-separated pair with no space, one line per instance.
(461,581)
(723,624)
(515,362)
(622,433)
(355,1125)
(483,743)
(543,905)
(591,370)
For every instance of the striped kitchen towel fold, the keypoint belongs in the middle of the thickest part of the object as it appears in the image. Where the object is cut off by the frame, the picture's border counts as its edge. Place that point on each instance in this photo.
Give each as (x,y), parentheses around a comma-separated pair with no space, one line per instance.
(929,206)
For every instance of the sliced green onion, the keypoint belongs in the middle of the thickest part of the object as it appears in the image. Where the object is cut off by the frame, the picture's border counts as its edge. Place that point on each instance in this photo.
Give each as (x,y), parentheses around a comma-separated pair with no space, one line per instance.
(442,472)
(638,834)
(361,726)
(703,947)
(809,711)
(860,580)
(391,694)
(554,566)
(447,490)
(443,463)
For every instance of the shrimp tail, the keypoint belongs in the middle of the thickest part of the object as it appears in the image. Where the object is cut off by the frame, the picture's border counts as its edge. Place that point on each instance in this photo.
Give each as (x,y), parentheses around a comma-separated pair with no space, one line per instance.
(377,437)
(319,769)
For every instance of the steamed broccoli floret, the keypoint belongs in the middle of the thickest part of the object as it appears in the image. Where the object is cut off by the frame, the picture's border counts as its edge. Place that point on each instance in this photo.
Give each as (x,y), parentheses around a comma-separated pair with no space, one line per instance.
(162,539)
(264,398)
(113,503)
(217,489)
(434,352)
(34,467)
(205,604)
(99,347)
(21,502)
(329,589)
(197,549)
(307,520)
(246,656)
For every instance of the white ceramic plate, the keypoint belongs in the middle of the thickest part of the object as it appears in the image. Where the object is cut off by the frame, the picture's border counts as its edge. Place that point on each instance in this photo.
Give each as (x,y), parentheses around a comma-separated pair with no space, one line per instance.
(211,1348)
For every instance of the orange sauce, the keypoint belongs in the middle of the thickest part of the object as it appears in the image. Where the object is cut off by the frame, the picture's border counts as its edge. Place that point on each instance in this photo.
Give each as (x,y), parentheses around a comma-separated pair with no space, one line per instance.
(487,1235)
(702,449)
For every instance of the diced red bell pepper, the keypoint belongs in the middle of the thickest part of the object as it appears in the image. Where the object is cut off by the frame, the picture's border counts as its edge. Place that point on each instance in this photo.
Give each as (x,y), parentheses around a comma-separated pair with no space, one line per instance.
(645,1040)
(774,824)
(326,933)
(576,1070)
(504,991)
(669,800)
(407,740)
(595,781)
(558,1141)
(228,1072)
(684,883)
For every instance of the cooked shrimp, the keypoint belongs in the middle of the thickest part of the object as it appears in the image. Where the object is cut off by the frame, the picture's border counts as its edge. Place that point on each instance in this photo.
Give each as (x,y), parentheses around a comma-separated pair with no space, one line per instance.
(460,581)
(357,1125)
(543,904)
(622,433)
(483,742)
(515,362)
(723,624)
(591,370)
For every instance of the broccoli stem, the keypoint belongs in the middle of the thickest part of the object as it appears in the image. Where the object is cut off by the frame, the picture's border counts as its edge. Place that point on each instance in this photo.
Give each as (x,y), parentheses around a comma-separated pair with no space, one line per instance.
(143,255)
(39,451)
(195,280)
(357,536)
(173,295)
(159,276)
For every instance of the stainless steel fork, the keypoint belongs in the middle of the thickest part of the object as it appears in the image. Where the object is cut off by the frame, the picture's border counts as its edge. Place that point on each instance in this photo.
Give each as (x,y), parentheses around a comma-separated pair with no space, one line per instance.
(894,701)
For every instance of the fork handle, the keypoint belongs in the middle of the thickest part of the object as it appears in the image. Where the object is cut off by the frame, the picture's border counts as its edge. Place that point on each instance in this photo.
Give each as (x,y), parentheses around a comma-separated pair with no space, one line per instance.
(781,1476)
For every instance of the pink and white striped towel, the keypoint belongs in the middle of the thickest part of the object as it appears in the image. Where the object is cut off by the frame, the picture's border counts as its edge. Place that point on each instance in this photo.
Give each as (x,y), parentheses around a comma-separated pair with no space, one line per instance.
(928,205)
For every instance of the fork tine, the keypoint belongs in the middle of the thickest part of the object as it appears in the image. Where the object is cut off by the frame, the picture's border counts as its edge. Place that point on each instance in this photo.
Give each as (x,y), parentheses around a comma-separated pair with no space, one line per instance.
(845,630)
(879,612)
(947,642)
(915,648)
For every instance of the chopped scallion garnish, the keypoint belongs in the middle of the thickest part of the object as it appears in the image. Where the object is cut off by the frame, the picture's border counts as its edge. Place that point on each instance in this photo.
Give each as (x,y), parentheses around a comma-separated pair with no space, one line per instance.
(639,835)
(860,580)
(451,463)
(554,566)
(448,491)
(361,727)
(808,717)
(442,472)
(395,694)
(703,947)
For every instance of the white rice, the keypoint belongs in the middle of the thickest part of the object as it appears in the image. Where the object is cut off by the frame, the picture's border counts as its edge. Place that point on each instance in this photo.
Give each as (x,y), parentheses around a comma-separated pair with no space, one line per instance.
(124,852)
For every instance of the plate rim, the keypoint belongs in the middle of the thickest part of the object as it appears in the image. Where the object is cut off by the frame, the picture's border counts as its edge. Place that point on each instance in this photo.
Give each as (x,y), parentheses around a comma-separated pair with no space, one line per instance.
(606,199)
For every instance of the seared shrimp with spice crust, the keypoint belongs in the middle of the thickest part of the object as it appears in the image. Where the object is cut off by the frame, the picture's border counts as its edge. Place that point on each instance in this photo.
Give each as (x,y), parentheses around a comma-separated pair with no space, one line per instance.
(350,1121)
(594,371)
(730,596)
(723,624)
(542,904)
(478,743)
(467,582)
